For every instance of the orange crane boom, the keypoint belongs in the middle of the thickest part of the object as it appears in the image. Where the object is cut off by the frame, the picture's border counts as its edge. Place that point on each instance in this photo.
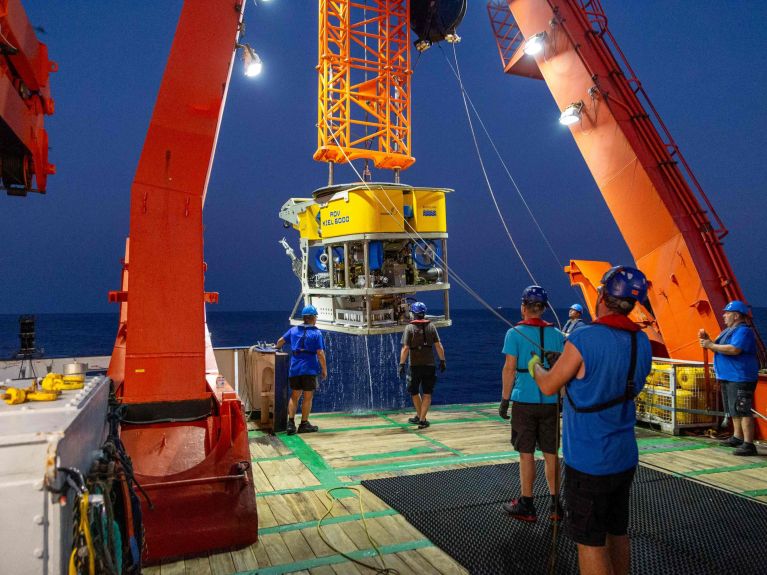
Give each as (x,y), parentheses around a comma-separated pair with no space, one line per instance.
(186,435)
(669,225)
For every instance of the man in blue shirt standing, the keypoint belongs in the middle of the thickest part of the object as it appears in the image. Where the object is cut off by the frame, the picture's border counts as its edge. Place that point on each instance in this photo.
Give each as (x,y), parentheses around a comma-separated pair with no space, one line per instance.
(603,367)
(307,361)
(534,415)
(737,370)
(574,319)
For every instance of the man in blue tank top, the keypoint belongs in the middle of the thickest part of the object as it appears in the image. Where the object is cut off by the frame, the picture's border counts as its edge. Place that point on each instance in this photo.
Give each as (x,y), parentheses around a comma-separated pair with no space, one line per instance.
(603,367)
(534,415)
(737,370)
(307,361)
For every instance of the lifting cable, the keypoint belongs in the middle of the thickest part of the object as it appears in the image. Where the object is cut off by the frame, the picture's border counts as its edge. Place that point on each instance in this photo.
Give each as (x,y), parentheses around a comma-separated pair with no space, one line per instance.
(468,102)
(452,273)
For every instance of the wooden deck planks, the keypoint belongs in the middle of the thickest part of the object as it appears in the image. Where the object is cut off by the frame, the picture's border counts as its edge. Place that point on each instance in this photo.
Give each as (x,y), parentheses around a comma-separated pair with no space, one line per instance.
(461,436)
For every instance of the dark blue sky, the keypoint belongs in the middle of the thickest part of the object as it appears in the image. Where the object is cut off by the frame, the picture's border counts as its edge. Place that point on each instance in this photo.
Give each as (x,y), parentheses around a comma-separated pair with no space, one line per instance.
(701,62)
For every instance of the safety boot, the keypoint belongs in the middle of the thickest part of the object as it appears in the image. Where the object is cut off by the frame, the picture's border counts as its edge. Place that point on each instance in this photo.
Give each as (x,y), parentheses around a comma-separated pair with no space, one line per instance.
(291,427)
(306,427)
(746,449)
(414,420)
(423,424)
(522,508)
(733,442)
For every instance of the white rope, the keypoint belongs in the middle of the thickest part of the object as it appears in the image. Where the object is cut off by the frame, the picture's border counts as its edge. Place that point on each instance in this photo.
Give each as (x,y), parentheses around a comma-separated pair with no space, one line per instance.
(464,95)
(452,273)
(484,171)
(502,161)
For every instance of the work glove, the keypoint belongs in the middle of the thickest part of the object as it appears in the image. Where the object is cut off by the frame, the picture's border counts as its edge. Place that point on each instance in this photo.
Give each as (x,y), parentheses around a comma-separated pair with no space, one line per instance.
(535,360)
(442,366)
(503,409)
(551,357)
(402,370)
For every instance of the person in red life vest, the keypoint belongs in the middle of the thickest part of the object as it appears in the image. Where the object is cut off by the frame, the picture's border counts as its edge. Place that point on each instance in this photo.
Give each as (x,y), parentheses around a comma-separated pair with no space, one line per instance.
(419,341)
(307,362)
(534,415)
(737,370)
(602,368)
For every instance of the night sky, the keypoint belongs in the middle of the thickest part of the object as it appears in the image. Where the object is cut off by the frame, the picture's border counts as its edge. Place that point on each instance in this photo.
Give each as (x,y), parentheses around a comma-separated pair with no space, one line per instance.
(702,63)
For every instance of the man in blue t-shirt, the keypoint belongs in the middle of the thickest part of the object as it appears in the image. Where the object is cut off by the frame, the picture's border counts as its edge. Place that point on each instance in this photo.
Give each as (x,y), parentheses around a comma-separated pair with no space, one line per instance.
(307,360)
(603,367)
(737,370)
(534,416)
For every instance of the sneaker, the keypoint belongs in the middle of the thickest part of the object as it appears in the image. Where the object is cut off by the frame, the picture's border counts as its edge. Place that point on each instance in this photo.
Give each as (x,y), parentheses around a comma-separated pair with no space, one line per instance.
(306,427)
(733,442)
(555,511)
(746,449)
(414,420)
(522,509)
(291,427)
(423,424)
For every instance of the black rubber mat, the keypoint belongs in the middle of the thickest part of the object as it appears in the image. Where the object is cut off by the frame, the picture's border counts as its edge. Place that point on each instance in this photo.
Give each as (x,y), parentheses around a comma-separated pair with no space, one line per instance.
(677,526)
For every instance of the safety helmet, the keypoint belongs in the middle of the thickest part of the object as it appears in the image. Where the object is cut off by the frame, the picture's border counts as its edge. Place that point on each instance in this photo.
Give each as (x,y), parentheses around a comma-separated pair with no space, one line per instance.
(418,308)
(577,307)
(625,282)
(737,306)
(309,310)
(534,294)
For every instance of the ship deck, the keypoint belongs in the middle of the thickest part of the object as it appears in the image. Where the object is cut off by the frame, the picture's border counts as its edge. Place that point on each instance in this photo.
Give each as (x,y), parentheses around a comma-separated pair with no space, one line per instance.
(293,473)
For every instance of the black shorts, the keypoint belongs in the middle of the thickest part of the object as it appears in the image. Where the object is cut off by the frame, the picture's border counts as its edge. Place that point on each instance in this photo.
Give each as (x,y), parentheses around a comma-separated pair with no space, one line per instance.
(534,423)
(422,377)
(596,505)
(303,382)
(738,397)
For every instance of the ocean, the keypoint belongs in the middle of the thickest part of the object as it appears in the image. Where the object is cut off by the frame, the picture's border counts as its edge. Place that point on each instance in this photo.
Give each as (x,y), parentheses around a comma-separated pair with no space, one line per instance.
(362,371)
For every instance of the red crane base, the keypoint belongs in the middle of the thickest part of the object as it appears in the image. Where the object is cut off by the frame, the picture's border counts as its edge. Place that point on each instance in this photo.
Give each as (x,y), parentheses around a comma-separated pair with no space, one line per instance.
(197,474)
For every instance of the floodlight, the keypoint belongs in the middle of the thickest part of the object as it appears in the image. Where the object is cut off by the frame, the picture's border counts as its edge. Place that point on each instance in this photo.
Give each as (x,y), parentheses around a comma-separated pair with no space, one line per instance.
(535,44)
(571,114)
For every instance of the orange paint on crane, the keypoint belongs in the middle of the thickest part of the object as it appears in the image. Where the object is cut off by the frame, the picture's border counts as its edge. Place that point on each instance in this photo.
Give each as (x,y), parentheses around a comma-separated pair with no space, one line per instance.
(653,196)
(364,83)
(188,442)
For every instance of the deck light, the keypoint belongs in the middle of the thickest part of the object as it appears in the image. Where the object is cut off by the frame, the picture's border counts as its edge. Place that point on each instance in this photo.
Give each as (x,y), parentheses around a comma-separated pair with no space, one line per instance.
(251,61)
(571,114)
(535,44)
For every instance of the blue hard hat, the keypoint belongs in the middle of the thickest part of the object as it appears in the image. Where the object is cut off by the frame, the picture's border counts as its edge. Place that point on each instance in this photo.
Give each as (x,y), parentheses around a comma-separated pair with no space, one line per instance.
(625,282)
(309,310)
(577,307)
(418,308)
(737,306)
(535,294)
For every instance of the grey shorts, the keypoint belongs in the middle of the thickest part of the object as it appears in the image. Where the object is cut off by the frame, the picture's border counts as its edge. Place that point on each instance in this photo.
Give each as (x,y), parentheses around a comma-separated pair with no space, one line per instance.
(738,397)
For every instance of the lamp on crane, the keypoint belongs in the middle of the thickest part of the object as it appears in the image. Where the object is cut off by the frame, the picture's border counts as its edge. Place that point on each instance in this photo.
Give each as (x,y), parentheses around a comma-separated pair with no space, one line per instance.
(571,114)
(535,44)
(251,61)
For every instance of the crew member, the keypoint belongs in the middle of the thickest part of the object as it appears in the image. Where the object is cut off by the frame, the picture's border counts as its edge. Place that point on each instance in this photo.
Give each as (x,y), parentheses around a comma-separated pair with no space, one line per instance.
(737,369)
(574,320)
(307,361)
(534,415)
(419,341)
(603,367)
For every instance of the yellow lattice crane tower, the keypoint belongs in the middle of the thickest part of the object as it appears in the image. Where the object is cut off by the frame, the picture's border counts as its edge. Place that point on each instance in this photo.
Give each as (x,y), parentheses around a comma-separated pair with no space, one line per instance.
(368,250)
(364,83)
